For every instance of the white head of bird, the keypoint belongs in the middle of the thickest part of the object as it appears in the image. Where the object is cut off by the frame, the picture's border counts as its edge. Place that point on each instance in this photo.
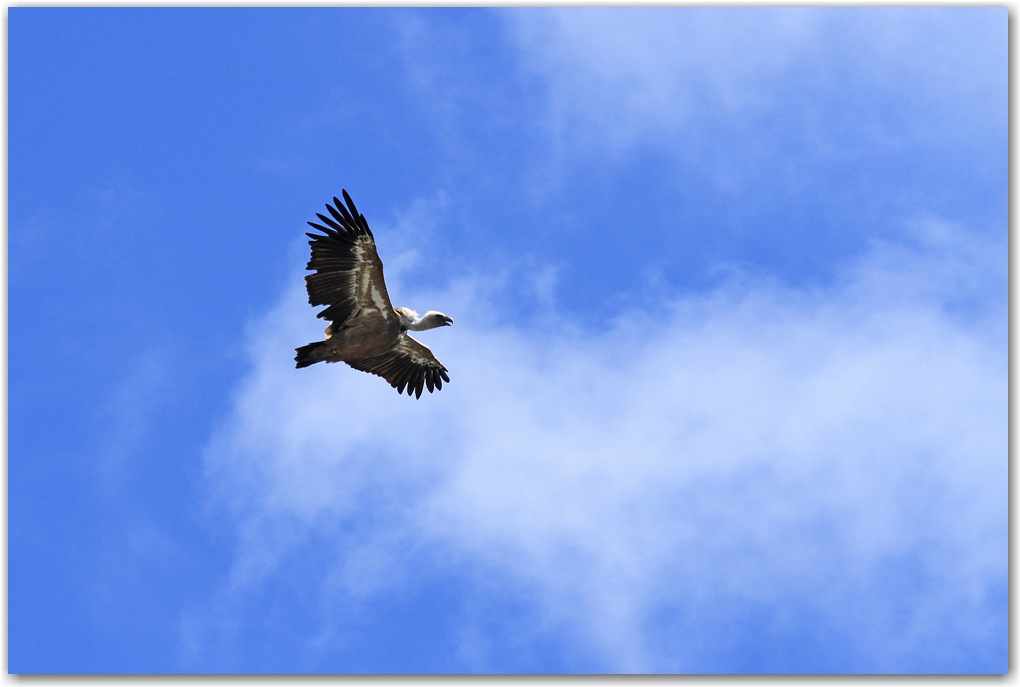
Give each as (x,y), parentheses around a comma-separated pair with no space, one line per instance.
(430,320)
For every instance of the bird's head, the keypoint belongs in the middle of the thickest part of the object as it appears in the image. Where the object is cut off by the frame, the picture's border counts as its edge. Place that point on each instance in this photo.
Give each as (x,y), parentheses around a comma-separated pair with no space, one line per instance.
(433,319)
(429,320)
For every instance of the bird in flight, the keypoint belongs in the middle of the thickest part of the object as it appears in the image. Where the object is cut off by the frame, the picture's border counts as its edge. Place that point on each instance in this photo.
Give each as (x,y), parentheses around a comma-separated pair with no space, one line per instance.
(365,330)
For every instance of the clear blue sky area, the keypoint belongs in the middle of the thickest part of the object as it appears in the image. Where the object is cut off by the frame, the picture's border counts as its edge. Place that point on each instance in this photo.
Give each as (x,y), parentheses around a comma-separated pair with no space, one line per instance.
(728,368)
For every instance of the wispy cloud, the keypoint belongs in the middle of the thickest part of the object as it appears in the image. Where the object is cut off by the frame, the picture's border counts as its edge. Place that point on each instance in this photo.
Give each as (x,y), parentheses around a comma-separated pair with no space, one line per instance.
(644,75)
(766,475)
(756,464)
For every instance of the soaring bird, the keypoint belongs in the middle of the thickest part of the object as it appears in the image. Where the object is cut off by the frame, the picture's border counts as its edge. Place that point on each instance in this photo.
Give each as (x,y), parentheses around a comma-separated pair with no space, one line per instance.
(365,330)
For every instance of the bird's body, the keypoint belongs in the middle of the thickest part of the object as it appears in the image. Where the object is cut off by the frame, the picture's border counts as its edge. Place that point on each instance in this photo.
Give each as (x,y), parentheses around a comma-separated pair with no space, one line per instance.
(366,331)
(359,337)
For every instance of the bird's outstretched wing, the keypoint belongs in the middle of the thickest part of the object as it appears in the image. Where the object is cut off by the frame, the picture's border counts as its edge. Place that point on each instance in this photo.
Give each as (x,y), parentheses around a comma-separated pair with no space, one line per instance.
(349,274)
(409,364)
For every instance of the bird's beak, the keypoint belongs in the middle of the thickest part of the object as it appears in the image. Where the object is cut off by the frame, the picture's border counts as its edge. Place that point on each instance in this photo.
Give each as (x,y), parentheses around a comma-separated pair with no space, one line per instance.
(447,321)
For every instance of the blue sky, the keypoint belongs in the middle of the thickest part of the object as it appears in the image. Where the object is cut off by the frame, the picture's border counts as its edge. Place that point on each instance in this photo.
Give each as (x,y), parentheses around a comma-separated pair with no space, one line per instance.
(728,368)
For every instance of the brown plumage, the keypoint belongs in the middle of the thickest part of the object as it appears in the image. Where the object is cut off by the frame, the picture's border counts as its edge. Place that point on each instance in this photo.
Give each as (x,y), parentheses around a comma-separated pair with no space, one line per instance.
(365,330)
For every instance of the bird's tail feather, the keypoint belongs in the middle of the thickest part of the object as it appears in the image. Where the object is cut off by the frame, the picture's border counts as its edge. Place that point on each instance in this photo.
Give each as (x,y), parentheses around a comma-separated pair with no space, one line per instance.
(304,354)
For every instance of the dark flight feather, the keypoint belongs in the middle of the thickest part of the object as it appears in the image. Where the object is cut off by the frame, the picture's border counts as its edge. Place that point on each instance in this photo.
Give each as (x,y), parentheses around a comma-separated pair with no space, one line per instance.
(342,257)
(406,366)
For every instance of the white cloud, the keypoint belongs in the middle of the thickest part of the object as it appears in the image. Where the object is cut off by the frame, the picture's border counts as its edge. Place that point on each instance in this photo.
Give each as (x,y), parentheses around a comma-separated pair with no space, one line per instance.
(756,447)
(759,463)
(840,81)
(628,72)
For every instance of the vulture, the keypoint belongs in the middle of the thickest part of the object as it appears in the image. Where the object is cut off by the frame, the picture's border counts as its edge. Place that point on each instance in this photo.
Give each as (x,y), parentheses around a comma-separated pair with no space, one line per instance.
(365,330)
